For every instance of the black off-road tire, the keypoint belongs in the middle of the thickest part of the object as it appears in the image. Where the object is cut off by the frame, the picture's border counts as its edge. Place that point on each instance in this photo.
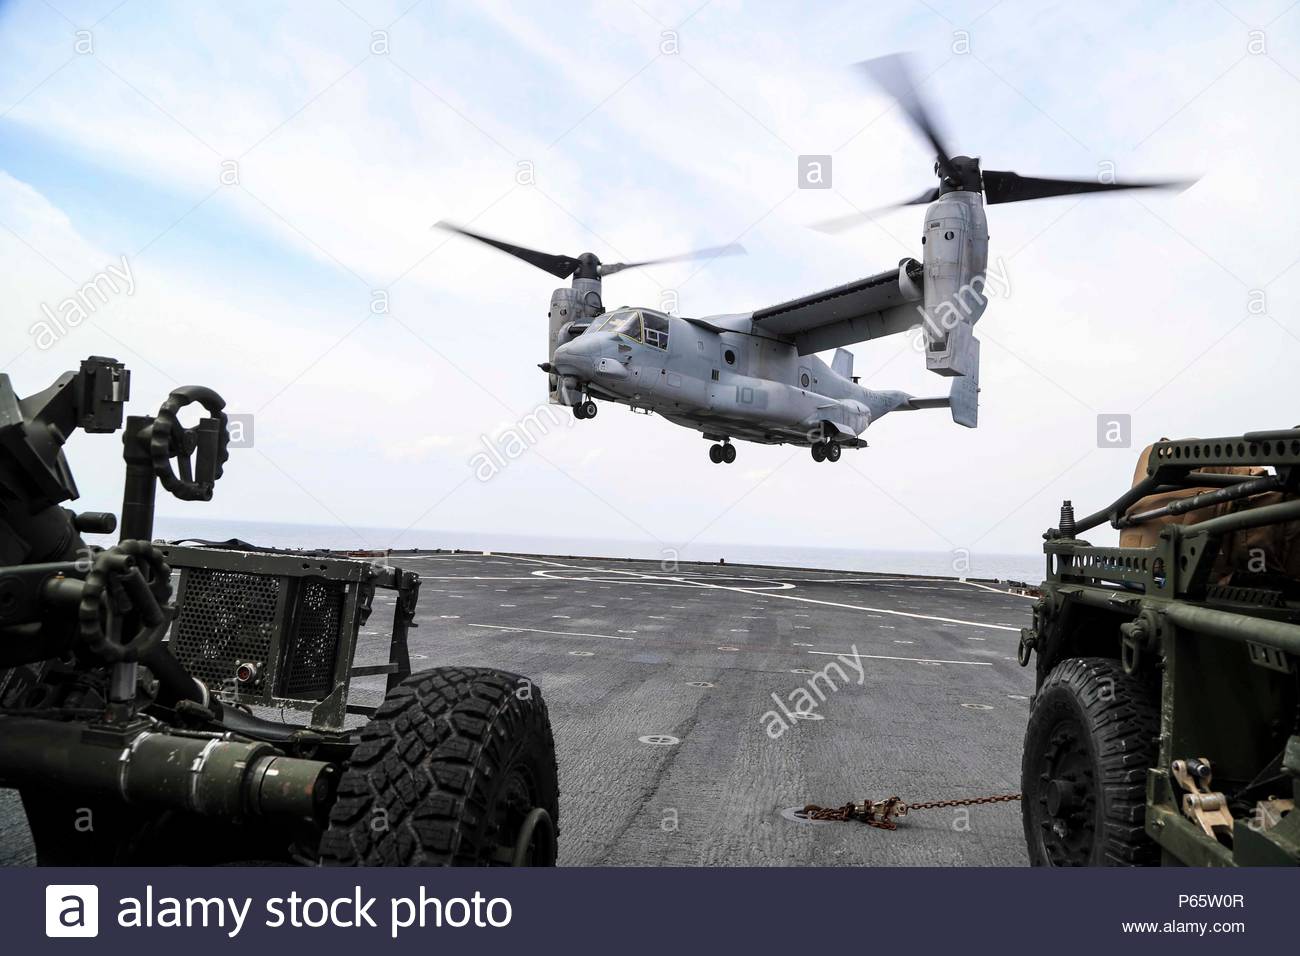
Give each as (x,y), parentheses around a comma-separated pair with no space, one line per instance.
(1092,735)
(445,774)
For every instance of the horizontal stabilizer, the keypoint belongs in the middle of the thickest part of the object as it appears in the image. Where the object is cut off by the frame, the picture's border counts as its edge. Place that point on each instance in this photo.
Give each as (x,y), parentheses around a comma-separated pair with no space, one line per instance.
(915,404)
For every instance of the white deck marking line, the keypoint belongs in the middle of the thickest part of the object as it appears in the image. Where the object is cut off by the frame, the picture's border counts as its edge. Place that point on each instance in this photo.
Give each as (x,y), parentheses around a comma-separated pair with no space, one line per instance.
(791,597)
(864,579)
(881,610)
(539,630)
(985,587)
(554,564)
(470,577)
(911,660)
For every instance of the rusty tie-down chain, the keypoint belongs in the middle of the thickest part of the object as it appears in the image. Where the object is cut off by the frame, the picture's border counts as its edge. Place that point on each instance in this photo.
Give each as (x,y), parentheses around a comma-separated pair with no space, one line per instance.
(883,814)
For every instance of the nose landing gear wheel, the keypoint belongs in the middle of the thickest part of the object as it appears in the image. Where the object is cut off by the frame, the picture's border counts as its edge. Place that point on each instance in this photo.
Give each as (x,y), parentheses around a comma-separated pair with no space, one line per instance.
(715,454)
(818,451)
(728,453)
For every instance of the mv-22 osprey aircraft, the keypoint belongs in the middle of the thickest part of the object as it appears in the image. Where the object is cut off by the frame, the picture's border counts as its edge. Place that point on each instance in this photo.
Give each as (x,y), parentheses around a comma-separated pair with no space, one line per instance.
(754,375)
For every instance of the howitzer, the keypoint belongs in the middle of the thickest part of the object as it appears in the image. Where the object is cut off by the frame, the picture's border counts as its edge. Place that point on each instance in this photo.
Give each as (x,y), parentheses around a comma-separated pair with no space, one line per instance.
(129,716)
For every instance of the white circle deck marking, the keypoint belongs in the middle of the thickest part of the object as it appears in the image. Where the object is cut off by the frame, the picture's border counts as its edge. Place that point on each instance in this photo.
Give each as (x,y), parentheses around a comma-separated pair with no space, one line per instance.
(659,740)
(700,683)
(582,653)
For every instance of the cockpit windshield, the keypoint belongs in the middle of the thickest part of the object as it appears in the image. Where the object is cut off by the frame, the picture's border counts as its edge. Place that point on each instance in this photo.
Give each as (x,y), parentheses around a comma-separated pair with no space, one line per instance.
(625,322)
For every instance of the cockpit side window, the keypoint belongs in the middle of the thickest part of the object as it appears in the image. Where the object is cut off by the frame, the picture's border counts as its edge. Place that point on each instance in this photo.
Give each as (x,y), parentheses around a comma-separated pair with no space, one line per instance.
(656,331)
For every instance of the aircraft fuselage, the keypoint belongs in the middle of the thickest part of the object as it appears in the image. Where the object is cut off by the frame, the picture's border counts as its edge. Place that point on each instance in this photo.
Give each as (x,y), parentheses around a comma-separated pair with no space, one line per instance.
(725,384)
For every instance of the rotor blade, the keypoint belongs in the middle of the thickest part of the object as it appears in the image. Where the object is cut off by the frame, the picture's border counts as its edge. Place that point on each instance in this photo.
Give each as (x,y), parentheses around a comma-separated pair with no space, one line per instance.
(853,219)
(893,75)
(1001,186)
(731,249)
(559,266)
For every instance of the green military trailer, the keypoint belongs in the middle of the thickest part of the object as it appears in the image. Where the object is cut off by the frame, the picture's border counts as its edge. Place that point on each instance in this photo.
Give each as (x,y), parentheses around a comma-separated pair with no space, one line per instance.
(1164,725)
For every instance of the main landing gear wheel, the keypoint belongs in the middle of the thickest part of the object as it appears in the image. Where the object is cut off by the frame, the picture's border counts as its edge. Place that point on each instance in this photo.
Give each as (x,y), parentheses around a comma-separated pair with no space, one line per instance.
(457,768)
(1091,737)
(722,453)
(585,409)
(826,451)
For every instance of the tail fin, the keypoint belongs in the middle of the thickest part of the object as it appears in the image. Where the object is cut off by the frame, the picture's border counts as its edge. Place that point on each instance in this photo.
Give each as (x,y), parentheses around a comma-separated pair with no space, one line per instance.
(964,396)
(842,364)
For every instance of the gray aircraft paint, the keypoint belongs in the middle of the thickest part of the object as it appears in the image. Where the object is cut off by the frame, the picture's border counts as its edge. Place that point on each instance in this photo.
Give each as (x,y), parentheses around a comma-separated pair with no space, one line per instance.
(771,391)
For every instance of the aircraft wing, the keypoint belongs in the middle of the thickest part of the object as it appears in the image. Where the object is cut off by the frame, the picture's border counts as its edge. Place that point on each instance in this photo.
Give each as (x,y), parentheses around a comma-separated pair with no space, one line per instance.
(869,308)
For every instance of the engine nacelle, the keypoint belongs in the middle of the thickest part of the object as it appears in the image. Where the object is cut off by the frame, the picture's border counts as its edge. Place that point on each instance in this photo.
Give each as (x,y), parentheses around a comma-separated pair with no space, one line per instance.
(572,310)
(956,258)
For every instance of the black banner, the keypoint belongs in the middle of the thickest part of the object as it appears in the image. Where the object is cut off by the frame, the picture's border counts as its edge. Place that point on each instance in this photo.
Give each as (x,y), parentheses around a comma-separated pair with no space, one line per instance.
(652,911)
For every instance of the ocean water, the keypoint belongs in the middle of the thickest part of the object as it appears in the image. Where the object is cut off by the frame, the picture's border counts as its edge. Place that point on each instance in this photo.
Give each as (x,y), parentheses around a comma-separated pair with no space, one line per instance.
(1004,567)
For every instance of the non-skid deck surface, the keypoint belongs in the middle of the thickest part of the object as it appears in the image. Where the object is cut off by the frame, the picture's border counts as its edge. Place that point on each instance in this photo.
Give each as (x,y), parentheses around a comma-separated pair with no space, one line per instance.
(625,650)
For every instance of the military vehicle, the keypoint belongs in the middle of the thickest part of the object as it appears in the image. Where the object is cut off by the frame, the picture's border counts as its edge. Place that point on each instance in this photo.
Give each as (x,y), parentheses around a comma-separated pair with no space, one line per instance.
(129,707)
(1164,727)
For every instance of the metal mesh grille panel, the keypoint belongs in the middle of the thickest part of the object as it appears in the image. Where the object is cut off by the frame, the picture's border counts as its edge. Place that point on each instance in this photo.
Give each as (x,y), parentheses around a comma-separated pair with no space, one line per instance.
(226,617)
(313,645)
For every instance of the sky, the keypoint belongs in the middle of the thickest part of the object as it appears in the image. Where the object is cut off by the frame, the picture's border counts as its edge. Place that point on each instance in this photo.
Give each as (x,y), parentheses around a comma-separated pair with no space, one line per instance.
(268,175)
